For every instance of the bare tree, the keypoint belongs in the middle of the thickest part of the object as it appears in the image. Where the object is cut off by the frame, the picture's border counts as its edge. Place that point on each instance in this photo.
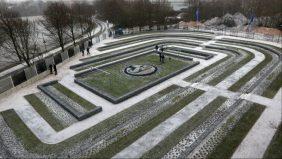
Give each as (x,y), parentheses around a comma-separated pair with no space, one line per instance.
(88,26)
(81,12)
(71,23)
(27,36)
(84,18)
(129,13)
(55,22)
(162,9)
(8,21)
(20,37)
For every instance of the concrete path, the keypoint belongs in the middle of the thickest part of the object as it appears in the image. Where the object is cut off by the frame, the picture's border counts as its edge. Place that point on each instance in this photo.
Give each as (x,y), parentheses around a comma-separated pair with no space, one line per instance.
(278,96)
(251,40)
(166,33)
(66,77)
(35,122)
(259,137)
(109,109)
(147,41)
(153,137)
(156,135)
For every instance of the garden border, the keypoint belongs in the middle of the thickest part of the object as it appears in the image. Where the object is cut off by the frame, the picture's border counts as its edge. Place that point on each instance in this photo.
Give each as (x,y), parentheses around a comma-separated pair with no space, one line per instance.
(134,92)
(68,108)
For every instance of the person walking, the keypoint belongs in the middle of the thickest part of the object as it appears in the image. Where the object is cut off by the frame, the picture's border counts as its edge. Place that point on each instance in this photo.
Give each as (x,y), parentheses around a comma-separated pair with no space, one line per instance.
(51,68)
(55,69)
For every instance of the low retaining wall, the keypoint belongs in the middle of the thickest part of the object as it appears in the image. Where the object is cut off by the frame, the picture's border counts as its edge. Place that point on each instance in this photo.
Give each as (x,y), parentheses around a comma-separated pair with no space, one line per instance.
(127,51)
(79,116)
(24,84)
(199,54)
(108,64)
(6,84)
(133,93)
(147,37)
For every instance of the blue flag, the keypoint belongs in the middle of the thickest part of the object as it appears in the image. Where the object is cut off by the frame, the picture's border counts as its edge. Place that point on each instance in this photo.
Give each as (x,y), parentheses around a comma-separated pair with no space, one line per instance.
(251,19)
(249,28)
(197,14)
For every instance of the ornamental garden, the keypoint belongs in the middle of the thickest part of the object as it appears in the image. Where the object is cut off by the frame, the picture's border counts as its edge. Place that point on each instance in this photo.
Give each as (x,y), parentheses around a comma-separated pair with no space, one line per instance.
(202,96)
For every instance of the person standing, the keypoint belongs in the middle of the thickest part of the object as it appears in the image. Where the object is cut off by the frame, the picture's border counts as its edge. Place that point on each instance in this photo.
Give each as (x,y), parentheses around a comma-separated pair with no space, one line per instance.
(51,68)
(88,50)
(156,48)
(163,58)
(82,51)
(55,69)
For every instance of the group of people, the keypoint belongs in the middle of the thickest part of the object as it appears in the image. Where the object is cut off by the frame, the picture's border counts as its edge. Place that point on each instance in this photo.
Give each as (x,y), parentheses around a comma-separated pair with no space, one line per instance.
(160,51)
(53,67)
(87,49)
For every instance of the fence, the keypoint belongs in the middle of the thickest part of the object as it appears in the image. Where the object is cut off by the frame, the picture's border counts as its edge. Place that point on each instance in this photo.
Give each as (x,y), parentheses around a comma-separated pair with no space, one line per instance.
(227,32)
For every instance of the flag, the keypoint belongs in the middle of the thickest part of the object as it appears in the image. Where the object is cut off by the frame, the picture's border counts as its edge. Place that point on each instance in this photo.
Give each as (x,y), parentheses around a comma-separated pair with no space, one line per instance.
(197,14)
(251,19)
(249,28)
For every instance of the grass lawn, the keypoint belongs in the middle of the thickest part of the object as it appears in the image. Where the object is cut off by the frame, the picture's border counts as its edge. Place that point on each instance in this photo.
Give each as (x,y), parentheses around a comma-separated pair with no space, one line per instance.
(191,77)
(174,138)
(274,87)
(122,143)
(33,144)
(232,140)
(21,131)
(274,148)
(42,109)
(76,98)
(232,68)
(117,83)
(252,73)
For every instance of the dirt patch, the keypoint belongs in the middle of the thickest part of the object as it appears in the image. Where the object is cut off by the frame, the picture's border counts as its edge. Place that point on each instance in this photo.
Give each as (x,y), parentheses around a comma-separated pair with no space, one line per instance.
(268,31)
(190,24)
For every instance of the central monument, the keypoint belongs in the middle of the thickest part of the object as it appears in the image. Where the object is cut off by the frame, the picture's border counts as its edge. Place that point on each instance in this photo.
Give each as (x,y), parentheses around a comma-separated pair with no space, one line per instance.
(140,70)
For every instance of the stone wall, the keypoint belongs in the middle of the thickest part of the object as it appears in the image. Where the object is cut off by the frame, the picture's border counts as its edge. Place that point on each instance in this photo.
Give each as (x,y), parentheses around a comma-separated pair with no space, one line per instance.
(30,72)
(6,84)
(64,55)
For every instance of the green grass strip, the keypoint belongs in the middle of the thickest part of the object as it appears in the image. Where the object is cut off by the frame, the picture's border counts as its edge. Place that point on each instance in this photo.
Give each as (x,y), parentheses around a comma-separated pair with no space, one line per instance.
(117,83)
(174,138)
(73,96)
(274,87)
(34,145)
(274,148)
(233,139)
(232,68)
(252,73)
(15,123)
(42,109)
(191,77)
(124,142)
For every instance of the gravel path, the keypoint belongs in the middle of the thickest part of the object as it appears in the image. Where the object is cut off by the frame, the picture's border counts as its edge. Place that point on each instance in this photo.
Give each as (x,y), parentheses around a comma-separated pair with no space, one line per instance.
(62,115)
(153,137)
